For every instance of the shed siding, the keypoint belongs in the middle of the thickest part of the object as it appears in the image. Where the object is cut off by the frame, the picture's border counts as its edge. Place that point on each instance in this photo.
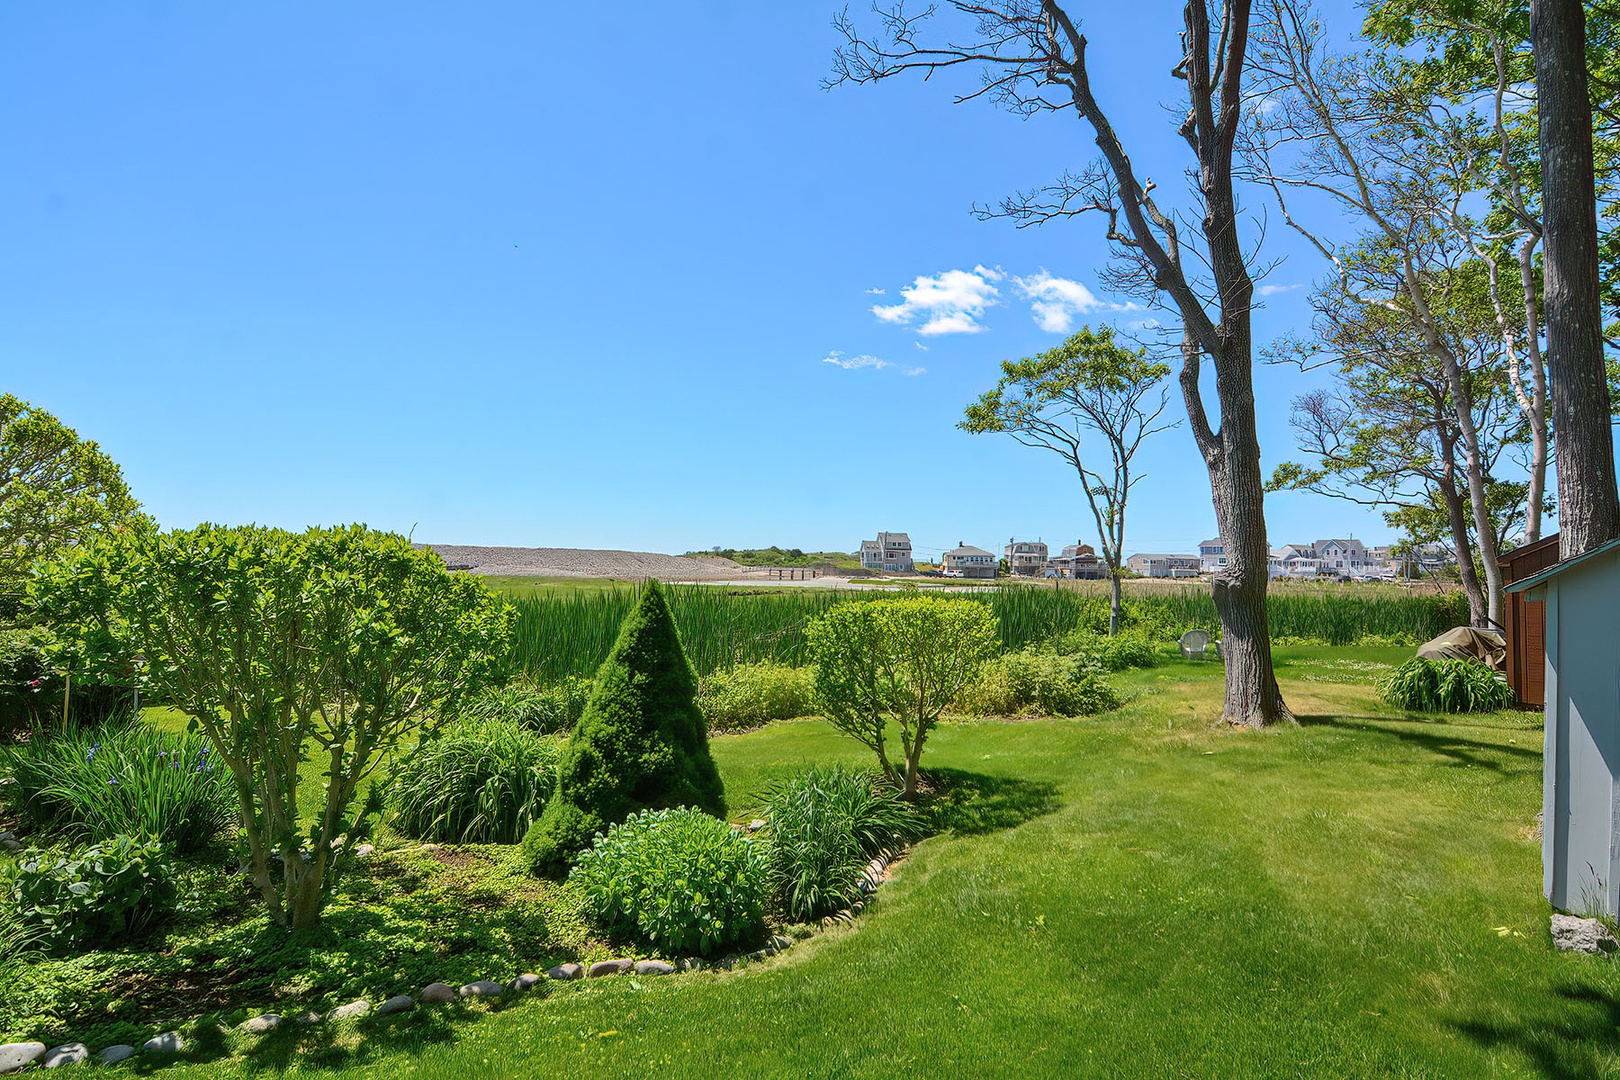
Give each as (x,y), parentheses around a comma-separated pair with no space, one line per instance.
(1581,832)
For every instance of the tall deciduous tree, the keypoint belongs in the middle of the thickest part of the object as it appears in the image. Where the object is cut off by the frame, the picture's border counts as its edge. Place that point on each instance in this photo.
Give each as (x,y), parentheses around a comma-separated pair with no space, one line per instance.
(56,490)
(1588,503)
(1058,400)
(327,647)
(1033,59)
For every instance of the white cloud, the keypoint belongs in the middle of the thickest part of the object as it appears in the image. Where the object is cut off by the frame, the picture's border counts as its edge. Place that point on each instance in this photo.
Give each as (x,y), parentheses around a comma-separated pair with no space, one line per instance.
(1273,290)
(920,345)
(874,292)
(947,303)
(864,360)
(1057,301)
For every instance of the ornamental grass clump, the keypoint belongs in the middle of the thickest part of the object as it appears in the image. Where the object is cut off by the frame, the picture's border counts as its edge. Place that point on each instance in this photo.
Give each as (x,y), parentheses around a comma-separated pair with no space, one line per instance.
(124,777)
(1446,686)
(642,743)
(478,782)
(825,825)
(546,709)
(679,880)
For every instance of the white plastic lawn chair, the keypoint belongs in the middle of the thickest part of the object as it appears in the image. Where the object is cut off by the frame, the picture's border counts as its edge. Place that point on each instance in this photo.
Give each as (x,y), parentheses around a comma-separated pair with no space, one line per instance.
(1193,643)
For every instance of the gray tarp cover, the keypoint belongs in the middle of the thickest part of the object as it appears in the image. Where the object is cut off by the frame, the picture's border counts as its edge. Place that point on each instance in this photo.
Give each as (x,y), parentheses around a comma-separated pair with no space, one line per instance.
(1467,643)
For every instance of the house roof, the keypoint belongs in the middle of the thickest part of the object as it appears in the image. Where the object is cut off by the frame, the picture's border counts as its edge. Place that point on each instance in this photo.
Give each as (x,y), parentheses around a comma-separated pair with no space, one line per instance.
(967,549)
(1558,568)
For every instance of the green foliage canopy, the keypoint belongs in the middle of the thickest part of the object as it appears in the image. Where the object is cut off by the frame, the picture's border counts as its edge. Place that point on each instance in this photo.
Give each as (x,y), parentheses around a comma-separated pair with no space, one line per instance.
(334,644)
(899,661)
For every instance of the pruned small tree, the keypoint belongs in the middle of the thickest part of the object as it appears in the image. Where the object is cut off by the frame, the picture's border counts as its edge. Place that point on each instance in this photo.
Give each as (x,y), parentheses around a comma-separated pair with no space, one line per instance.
(642,743)
(327,649)
(897,662)
(1192,259)
(1089,386)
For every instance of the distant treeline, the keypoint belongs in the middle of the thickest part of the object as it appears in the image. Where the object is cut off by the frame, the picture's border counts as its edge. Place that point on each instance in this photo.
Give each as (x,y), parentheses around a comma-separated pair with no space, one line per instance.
(776,556)
(569,632)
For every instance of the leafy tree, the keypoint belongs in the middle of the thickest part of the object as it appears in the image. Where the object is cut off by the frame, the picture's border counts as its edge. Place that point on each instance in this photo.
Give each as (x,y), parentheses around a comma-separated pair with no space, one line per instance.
(1053,400)
(330,647)
(900,661)
(1187,255)
(642,743)
(56,490)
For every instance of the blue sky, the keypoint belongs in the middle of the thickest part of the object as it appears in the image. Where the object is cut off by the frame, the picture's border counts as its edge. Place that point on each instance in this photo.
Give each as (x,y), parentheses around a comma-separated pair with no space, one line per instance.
(523,274)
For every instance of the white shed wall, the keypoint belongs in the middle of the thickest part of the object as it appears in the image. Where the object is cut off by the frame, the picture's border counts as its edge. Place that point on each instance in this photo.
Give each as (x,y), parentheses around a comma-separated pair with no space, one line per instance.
(1581,816)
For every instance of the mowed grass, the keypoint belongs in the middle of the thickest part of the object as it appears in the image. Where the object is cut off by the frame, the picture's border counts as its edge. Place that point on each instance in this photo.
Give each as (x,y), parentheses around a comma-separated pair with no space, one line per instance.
(1131,895)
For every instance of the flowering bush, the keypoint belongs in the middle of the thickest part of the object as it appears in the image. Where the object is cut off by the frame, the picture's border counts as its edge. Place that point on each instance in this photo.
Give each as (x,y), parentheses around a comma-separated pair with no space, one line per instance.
(121,778)
(678,879)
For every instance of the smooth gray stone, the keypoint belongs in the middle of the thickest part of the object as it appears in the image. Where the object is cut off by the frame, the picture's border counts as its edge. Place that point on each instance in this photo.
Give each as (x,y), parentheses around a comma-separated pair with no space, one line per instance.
(482,988)
(564,972)
(354,1010)
(691,963)
(653,967)
(364,849)
(169,1042)
(526,982)
(66,1054)
(258,1025)
(14,1056)
(436,993)
(398,1003)
(780,942)
(609,967)
(114,1054)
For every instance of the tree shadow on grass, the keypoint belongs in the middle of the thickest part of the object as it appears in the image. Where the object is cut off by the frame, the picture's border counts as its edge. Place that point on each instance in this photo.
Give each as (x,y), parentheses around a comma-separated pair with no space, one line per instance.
(331,1046)
(1575,1036)
(971,804)
(1458,750)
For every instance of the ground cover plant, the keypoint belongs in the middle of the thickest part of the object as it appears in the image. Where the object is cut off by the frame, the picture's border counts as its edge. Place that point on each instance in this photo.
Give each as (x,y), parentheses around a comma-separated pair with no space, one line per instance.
(568,631)
(641,744)
(123,777)
(1446,686)
(92,896)
(478,782)
(1094,911)
(680,881)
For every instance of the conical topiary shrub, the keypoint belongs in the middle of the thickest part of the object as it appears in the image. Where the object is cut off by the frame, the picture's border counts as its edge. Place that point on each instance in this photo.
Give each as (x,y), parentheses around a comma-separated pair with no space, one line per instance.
(642,743)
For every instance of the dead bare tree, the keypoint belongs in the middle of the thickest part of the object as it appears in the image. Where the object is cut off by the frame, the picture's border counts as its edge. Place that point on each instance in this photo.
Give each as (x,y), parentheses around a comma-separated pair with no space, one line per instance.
(1032,58)
(1340,128)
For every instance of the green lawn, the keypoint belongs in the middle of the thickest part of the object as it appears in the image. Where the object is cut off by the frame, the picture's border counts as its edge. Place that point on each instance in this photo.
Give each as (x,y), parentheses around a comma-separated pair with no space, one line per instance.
(1135,895)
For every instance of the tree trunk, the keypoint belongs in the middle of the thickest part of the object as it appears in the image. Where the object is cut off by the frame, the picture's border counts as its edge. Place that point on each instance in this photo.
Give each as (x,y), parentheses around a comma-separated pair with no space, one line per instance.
(1537,413)
(1253,698)
(1463,546)
(1588,504)
(1114,603)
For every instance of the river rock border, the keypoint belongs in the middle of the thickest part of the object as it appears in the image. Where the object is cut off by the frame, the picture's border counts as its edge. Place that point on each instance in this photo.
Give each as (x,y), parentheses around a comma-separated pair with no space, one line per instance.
(20,1055)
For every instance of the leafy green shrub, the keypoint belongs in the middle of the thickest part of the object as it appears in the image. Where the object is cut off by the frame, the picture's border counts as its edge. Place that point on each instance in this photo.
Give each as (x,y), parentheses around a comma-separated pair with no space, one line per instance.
(642,743)
(546,709)
(107,892)
(680,880)
(1449,686)
(124,777)
(478,782)
(751,694)
(826,824)
(1122,651)
(1041,682)
(897,662)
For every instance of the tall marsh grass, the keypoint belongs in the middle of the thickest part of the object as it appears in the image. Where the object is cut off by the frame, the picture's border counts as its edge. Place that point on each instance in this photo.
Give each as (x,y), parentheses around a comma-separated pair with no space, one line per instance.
(569,632)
